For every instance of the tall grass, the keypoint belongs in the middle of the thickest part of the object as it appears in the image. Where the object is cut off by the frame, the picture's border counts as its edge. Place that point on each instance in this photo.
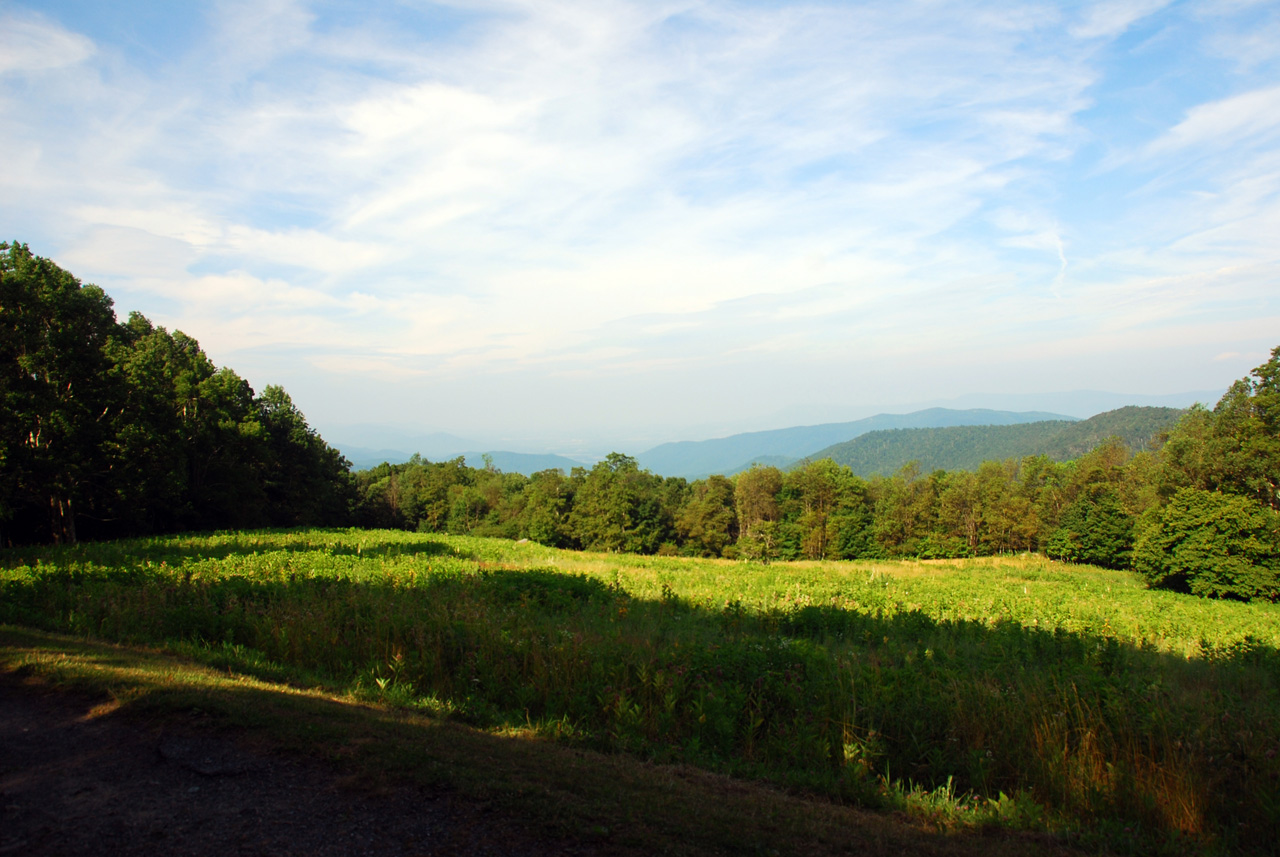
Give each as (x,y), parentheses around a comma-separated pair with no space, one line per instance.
(1066,696)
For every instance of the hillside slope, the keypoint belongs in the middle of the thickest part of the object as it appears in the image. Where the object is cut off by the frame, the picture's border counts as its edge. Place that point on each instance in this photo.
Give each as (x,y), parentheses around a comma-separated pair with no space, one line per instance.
(966,447)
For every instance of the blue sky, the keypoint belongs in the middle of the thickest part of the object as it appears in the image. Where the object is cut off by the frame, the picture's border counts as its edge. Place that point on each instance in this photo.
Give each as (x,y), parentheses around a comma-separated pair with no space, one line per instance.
(574,225)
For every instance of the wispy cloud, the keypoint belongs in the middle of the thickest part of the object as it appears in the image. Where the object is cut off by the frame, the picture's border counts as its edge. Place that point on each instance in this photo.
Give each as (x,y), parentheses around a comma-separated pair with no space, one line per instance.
(1224,123)
(29,43)
(1112,17)
(443,196)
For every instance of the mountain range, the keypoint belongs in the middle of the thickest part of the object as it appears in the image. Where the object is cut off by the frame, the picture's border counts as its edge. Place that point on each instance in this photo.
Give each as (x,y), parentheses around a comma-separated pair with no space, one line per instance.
(935,437)
(781,447)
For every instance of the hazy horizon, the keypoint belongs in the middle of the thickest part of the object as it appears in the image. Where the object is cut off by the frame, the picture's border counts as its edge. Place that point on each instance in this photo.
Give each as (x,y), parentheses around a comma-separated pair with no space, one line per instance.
(398,436)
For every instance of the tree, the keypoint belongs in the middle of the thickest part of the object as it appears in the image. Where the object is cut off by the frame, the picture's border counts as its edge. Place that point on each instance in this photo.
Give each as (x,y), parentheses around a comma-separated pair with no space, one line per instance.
(57,398)
(707,522)
(1234,448)
(156,434)
(111,429)
(1043,484)
(548,501)
(960,509)
(1010,519)
(1245,446)
(755,495)
(1211,544)
(620,507)
(1096,530)
(307,482)
(821,496)
(906,509)
(429,491)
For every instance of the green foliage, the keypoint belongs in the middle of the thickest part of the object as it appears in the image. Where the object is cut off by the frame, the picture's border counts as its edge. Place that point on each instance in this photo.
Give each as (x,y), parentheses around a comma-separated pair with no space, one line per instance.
(548,501)
(756,500)
(306,481)
(1094,530)
(110,429)
(55,389)
(818,500)
(1234,448)
(1135,428)
(1081,510)
(954,447)
(620,507)
(707,522)
(968,447)
(1212,544)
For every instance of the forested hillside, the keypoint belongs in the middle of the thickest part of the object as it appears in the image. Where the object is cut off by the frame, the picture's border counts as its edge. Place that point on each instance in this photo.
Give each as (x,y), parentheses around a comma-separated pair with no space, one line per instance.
(967,447)
(1138,428)
(113,428)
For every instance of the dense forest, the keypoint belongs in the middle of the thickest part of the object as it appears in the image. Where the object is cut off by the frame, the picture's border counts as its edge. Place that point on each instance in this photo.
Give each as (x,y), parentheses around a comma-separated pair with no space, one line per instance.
(119,428)
(967,447)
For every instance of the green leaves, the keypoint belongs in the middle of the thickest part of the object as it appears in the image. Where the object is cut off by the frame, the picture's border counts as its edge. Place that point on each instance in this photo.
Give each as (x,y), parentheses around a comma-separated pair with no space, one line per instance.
(1212,544)
(119,429)
(55,389)
(1094,530)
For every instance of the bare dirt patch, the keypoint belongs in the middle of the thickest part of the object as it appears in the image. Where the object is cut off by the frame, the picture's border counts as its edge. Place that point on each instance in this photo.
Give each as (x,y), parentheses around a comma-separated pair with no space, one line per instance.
(78,779)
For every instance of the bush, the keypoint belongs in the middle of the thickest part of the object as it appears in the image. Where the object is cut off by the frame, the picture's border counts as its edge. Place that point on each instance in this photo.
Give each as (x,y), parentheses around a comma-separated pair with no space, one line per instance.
(1094,530)
(1211,544)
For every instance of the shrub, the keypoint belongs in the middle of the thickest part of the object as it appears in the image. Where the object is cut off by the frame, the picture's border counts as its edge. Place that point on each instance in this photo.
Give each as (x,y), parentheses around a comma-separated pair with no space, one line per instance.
(1211,544)
(1094,530)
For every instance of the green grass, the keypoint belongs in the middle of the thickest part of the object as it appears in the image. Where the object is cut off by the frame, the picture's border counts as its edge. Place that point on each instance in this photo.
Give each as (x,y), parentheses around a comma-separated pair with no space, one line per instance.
(1010,691)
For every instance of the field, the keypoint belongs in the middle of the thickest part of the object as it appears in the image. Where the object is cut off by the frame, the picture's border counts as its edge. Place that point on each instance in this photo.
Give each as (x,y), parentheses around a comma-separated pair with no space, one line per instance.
(1002,692)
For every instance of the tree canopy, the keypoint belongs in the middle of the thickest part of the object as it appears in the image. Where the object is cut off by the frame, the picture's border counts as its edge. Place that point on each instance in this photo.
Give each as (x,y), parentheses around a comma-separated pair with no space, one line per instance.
(112,429)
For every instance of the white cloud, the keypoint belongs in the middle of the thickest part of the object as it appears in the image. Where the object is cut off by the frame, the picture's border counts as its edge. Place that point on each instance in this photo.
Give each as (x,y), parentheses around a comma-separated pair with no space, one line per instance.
(128,253)
(249,34)
(1112,17)
(1224,123)
(33,44)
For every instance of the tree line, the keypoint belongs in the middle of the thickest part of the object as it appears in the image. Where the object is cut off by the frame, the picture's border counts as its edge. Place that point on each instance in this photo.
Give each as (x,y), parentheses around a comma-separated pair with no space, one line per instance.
(114,429)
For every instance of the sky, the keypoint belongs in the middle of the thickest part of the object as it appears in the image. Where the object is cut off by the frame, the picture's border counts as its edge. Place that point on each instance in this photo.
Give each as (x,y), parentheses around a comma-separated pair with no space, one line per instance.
(570,226)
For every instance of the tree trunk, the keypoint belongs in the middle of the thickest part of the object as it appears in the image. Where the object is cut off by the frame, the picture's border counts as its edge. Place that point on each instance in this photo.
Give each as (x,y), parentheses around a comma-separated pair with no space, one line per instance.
(62,520)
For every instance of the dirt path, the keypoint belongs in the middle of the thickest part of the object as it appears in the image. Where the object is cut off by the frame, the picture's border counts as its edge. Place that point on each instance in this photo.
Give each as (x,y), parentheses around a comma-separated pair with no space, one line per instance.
(75,781)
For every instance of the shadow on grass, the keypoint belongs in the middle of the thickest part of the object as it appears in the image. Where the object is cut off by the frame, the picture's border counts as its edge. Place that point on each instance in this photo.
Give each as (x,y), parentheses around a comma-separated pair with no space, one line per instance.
(819,698)
(609,803)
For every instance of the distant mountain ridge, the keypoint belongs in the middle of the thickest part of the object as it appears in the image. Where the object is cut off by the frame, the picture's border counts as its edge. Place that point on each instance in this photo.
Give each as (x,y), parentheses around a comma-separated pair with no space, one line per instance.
(728,455)
(527,463)
(966,447)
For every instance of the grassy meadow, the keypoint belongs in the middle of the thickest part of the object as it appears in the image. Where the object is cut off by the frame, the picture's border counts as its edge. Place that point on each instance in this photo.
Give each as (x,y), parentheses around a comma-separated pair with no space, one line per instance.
(1006,691)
